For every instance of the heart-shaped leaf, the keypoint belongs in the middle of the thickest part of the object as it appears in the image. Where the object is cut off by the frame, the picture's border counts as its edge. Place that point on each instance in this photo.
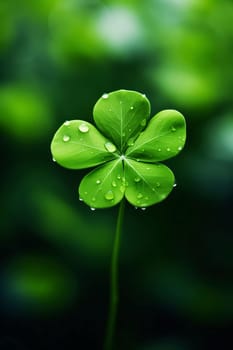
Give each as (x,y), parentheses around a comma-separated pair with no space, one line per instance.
(104,186)
(147,184)
(121,115)
(78,144)
(163,138)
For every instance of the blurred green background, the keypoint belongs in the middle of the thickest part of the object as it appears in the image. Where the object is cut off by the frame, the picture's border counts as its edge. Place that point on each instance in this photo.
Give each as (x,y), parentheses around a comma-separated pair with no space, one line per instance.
(57,57)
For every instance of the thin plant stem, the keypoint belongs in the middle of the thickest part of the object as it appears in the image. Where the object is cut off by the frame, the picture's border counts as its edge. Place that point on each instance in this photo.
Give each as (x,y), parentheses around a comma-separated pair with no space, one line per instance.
(114,293)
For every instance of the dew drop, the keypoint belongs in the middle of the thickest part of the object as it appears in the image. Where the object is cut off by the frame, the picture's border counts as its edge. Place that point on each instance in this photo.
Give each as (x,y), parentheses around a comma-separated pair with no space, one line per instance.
(179,148)
(66,138)
(92,208)
(54,160)
(122,189)
(110,147)
(173,129)
(143,95)
(105,96)
(114,184)
(137,179)
(67,122)
(85,192)
(93,199)
(130,142)
(168,149)
(98,182)
(143,122)
(143,208)
(109,195)
(83,128)
(174,185)
(131,107)
(139,195)
(118,177)
(159,150)
(80,199)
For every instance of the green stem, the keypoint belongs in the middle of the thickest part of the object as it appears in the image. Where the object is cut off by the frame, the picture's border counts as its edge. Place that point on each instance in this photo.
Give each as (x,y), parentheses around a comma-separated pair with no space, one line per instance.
(109,339)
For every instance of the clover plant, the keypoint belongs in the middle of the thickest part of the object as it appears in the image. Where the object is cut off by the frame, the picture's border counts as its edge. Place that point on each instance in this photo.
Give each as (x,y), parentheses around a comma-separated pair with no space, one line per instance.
(127,147)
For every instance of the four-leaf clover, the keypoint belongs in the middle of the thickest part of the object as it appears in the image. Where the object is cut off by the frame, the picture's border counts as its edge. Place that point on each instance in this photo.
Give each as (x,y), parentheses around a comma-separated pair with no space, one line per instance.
(127,147)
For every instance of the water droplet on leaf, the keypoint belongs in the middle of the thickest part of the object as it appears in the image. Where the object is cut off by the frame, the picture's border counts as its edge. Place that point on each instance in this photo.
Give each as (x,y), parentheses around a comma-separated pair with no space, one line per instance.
(174,185)
(130,142)
(179,148)
(173,129)
(137,179)
(109,195)
(66,138)
(122,189)
(98,182)
(92,208)
(168,149)
(131,107)
(143,208)
(159,150)
(110,147)
(139,195)
(105,96)
(80,199)
(83,128)
(54,160)
(67,122)
(143,122)
(93,199)
(114,184)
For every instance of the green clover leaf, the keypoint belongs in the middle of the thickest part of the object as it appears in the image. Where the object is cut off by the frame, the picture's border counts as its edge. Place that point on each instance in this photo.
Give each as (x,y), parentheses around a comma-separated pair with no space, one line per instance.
(128,149)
